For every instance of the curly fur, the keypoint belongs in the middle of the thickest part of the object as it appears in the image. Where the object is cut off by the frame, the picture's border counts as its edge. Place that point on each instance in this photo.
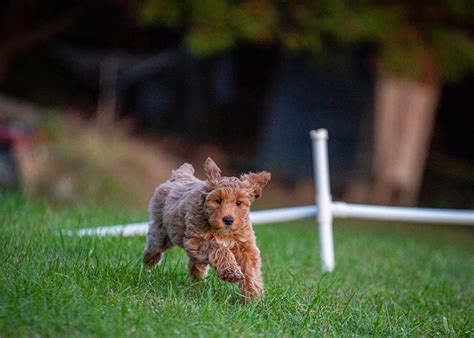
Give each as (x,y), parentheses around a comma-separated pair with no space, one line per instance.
(192,214)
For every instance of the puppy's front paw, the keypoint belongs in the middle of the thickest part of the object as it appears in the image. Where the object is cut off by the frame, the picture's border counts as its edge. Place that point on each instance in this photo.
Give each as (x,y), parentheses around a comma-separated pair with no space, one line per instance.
(231,275)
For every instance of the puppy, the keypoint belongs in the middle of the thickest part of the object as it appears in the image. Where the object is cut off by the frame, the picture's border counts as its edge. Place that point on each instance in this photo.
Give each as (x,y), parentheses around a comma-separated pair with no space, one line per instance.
(210,221)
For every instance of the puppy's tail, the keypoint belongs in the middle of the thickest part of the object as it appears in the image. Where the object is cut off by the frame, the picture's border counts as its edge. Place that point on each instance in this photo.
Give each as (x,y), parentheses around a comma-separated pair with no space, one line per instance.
(185,172)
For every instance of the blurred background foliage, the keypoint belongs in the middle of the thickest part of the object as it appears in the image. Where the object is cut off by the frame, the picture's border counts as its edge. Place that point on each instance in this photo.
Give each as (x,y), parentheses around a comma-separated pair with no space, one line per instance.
(72,160)
(407,34)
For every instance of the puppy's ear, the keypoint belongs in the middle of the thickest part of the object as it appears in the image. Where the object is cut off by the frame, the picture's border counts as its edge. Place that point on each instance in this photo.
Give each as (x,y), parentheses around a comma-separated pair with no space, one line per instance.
(213,173)
(257,182)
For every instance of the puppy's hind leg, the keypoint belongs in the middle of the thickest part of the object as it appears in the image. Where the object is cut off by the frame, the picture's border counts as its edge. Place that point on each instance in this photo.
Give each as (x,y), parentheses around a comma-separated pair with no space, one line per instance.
(157,238)
(157,242)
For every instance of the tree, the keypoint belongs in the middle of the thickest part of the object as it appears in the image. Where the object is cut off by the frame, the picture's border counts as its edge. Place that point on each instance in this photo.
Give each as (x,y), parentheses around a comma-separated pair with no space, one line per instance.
(409,36)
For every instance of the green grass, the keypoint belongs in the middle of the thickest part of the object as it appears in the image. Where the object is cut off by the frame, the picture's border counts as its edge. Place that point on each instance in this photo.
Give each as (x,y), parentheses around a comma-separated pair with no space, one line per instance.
(389,280)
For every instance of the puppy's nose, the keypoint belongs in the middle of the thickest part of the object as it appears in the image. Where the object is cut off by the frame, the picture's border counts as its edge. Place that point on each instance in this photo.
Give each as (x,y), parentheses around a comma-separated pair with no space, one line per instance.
(228,220)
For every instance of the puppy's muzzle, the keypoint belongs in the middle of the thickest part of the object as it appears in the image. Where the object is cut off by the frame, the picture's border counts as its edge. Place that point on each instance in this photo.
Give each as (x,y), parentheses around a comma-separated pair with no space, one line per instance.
(228,220)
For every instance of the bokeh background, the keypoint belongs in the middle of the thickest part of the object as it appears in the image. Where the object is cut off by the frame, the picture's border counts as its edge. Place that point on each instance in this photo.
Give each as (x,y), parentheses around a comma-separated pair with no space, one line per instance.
(100,100)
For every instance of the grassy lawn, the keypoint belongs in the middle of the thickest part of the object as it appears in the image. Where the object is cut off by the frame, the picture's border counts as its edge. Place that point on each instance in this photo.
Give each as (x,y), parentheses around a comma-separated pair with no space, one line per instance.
(389,280)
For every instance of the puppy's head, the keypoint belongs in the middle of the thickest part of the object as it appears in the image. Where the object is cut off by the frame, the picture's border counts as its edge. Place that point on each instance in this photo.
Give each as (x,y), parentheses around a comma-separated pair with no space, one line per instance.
(229,198)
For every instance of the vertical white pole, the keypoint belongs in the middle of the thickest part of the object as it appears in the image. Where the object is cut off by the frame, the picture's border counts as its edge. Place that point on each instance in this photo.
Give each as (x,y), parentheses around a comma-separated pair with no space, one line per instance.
(323,197)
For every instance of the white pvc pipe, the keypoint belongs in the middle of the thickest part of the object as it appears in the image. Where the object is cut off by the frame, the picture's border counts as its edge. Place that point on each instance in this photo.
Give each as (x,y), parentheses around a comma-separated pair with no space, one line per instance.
(379,212)
(256,217)
(323,197)
(282,215)
(126,230)
(339,210)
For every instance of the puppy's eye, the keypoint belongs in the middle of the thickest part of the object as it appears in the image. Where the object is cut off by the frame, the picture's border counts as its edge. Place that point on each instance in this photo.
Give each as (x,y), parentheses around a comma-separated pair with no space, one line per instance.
(218,201)
(238,203)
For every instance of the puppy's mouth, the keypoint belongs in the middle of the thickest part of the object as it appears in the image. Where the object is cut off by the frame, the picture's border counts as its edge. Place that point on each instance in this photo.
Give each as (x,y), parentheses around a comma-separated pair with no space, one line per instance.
(223,228)
(224,231)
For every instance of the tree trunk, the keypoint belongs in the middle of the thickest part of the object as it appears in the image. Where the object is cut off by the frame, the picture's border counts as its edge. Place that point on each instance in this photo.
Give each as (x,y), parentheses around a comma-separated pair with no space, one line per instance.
(404,116)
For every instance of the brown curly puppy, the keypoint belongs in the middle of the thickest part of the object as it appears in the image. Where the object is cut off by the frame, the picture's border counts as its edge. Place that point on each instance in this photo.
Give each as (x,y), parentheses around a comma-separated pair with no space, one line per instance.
(210,221)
